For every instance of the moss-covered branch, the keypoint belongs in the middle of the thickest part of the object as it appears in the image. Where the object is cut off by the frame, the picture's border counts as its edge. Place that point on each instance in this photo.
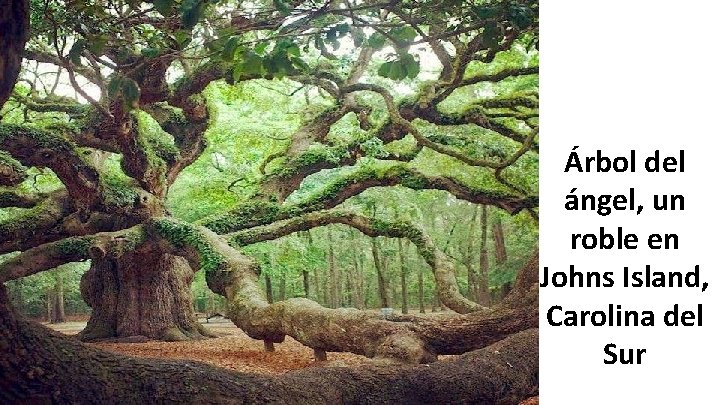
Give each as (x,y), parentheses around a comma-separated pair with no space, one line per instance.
(402,174)
(235,276)
(11,171)
(54,103)
(17,199)
(256,213)
(73,249)
(43,148)
(35,226)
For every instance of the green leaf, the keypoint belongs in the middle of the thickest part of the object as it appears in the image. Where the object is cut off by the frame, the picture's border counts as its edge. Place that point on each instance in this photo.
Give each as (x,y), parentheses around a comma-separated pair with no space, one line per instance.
(183,38)
(150,52)
(300,64)
(191,13)
(261,46)
(485,12)
(114,85)
(376,40)
(404,34)
(251,65)
(384,69)
(97,44)
(343,29)
(293,50)
(228,53)
(521,15)
(76,51)
(412,67)
(397,71)
(164,7)
(358,38)
(281,6)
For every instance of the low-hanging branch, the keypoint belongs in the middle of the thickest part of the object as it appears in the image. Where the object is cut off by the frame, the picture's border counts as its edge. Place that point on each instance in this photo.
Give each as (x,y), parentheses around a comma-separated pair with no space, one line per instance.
(74,249)
(235,276)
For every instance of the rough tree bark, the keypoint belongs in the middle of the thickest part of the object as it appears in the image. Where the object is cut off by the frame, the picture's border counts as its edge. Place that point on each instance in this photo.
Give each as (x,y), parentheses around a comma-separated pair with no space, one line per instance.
(14,25)
(56,301)
(141,293)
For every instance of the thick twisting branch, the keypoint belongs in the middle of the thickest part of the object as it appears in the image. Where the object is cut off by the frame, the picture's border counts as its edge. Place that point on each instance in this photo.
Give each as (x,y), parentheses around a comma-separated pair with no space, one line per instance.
(405,339)
(43,148)
(51,255)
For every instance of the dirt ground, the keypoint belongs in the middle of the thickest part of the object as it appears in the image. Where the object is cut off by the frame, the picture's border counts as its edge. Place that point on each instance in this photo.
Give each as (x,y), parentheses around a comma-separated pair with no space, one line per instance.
(233,350)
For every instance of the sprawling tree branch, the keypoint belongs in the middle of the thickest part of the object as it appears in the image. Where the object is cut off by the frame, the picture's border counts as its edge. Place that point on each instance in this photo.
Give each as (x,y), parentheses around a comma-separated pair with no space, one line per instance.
(17,199)
(235,276)
(12,172)
(35,226)
(42,148)
(74,249)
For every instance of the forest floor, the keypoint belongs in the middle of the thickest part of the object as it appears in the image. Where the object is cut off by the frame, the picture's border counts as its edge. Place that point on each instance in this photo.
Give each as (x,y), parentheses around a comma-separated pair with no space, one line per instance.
(233,350)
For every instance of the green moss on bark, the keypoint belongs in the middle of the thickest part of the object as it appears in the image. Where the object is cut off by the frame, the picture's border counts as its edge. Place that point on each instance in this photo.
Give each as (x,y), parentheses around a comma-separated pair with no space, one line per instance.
(183,235)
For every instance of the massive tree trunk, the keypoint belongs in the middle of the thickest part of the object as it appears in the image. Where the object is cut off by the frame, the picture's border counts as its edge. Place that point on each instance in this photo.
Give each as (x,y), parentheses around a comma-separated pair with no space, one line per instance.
(143,293)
